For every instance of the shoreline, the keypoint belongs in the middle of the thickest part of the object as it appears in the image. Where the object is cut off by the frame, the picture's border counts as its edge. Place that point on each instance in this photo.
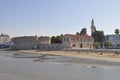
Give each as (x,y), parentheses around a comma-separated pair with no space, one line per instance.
(84,55)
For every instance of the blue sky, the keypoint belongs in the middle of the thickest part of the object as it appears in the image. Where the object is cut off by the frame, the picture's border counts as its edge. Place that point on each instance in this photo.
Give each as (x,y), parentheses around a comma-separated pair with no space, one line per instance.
(54,17)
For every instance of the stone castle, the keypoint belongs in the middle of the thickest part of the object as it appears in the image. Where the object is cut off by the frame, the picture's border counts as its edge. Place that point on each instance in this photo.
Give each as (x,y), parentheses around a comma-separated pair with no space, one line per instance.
(30,42)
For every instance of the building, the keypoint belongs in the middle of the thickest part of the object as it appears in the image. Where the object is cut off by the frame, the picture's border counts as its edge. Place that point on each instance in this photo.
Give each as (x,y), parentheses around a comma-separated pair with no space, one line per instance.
(44,43)
(29,42)
(4,38)
(114,39)
(93,28)
(78,41)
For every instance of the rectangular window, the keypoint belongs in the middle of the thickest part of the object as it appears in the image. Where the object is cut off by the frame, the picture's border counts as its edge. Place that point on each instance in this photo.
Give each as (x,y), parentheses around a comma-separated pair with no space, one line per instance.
(84,40)
(88,40)
(64,39)
(67,39)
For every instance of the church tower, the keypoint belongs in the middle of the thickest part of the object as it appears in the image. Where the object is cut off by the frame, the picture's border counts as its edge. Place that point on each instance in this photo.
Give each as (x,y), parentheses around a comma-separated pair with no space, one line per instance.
(93,28)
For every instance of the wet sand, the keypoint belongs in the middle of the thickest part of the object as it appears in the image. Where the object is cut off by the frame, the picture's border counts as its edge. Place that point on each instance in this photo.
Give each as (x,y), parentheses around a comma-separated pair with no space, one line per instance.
(84,55)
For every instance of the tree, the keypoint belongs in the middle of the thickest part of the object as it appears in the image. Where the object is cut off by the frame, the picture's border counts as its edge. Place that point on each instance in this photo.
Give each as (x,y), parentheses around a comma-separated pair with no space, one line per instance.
(57,39)
(83,31)
(96,44)
(98,36)
(108,44)
(53,38)
(77,33)
(117,31)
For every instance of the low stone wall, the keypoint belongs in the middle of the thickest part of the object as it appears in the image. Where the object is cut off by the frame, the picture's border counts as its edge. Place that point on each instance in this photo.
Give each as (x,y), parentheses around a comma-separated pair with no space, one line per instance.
(57,46)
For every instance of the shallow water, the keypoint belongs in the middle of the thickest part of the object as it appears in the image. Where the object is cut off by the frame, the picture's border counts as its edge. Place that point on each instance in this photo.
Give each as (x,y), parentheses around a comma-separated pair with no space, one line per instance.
(56,68)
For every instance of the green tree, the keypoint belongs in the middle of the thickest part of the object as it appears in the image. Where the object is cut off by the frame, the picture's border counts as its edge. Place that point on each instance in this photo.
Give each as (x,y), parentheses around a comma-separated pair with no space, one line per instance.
(77,33)
(53,38)
(98,36)
(108,44)
(57,39)
(83,31)
(96,44)
(117,31)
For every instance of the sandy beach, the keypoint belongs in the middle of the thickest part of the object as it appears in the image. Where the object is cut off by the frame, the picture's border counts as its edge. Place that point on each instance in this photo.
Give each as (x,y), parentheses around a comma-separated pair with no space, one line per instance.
(84,55)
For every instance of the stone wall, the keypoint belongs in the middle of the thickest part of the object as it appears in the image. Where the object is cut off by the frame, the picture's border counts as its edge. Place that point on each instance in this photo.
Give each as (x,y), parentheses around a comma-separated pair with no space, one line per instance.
(29,42)
(26,42)
(44,40)
(55,46)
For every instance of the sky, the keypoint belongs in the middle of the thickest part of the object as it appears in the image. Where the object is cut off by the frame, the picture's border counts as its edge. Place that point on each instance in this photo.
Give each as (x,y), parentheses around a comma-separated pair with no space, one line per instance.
(55,17)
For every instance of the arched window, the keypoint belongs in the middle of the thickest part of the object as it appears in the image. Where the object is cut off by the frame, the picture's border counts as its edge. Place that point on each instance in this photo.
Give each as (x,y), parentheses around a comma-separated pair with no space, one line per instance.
(73,45)
(81,45)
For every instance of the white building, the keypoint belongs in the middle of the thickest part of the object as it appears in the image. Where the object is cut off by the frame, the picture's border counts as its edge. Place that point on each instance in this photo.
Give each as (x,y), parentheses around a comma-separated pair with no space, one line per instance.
(114,39)
(4,38)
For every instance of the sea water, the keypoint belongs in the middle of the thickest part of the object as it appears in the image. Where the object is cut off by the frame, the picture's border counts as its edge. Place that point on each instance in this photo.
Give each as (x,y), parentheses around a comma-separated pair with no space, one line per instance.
(56,68)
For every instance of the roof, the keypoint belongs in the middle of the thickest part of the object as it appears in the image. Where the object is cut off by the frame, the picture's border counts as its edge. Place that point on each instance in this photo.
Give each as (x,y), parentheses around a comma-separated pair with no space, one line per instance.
(4,35)
(113,34)
(79,36)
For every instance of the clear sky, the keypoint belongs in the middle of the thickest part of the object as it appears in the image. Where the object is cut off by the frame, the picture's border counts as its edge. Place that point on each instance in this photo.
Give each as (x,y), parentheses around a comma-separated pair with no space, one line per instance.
(54,17)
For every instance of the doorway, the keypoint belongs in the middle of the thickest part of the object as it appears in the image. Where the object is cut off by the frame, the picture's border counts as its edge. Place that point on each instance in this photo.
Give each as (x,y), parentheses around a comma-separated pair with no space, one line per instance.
(81,45)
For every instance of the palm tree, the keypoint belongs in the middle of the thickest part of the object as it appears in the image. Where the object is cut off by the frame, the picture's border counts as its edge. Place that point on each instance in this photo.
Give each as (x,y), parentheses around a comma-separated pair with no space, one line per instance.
(117,31)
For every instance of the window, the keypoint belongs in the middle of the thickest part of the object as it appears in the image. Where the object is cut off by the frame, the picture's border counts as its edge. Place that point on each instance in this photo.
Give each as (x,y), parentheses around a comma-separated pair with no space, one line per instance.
(84,40)
(88,45)
(87,40)
(64,39)
(73,45)
(67,39)
(80,39)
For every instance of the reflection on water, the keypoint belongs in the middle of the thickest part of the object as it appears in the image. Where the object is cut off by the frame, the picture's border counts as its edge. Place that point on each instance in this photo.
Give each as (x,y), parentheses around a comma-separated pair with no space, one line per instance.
(56,68)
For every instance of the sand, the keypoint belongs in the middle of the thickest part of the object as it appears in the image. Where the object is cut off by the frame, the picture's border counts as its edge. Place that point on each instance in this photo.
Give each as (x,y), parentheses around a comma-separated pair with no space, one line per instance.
(85,55)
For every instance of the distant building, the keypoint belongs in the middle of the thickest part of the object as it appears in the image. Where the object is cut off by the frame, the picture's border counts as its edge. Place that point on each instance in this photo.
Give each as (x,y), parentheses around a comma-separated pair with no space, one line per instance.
(93,28)
(4,38)
(78,41)
(30,42)
(114,39)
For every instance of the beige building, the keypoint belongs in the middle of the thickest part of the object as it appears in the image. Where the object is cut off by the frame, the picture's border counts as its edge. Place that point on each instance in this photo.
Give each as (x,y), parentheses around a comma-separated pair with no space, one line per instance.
(30,42)
(78,41)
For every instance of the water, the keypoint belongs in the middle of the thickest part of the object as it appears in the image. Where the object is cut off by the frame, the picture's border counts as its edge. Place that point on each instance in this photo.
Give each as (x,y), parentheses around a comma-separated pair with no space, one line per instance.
(56,68)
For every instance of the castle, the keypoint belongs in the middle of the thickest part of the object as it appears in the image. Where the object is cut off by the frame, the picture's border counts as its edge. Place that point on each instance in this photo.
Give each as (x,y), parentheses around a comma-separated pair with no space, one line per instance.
(30,42)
